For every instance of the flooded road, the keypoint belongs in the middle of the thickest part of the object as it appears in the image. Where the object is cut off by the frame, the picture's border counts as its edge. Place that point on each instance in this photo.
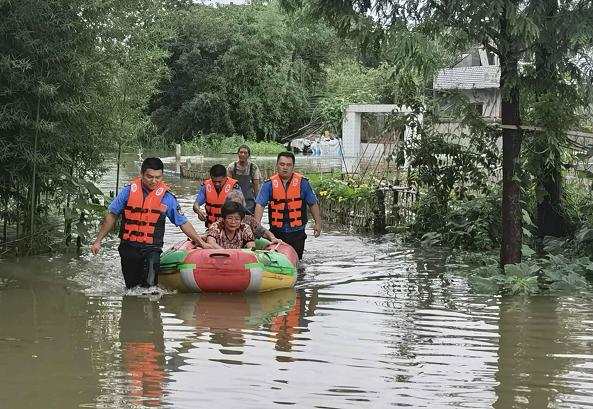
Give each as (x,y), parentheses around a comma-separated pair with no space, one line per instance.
(371,324)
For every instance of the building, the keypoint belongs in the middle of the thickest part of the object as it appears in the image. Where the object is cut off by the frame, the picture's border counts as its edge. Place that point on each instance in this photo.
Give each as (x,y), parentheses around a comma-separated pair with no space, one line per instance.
(477,76)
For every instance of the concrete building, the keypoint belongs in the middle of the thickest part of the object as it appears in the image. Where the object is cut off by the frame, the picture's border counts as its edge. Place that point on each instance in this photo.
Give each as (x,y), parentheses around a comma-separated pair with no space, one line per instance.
(477,76)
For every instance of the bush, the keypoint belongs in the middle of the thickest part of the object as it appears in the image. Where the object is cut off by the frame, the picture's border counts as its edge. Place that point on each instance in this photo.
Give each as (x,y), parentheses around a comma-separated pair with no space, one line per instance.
(349,191)
(217,144)
(472,223)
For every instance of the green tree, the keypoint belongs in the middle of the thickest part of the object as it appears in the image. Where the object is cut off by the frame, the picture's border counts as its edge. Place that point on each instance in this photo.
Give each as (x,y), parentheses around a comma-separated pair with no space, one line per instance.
(57,92)
(510,28)
(246,70)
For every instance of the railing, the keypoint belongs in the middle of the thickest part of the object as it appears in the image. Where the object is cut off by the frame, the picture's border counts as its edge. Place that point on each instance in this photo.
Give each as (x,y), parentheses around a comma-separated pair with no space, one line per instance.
(390,206)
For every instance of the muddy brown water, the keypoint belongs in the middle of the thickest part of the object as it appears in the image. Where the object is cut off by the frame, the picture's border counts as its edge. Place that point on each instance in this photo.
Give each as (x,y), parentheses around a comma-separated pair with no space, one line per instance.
(371,324)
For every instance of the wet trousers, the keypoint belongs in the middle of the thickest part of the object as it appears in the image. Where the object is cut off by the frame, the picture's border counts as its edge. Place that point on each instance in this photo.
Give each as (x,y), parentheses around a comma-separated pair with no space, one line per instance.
(295,238)
(140,265)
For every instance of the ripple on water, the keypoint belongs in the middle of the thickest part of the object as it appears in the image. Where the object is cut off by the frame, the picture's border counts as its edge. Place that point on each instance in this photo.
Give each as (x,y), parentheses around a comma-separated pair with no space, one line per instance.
(372,324)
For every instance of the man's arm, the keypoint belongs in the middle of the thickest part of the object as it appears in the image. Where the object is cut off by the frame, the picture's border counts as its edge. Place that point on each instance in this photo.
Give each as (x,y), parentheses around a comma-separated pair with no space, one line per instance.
(316,212)
(212,243)
(259,212)
(200,200)
(106,226)
(262,199)
(190,232)
(255,187)
(201,213)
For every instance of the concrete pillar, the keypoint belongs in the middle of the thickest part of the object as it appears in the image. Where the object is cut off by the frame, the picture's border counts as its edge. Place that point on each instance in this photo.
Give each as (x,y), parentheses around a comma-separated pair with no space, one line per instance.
(351,140)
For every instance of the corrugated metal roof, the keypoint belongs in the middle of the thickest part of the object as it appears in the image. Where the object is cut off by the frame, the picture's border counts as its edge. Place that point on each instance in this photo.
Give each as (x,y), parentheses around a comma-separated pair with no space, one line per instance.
(479,77)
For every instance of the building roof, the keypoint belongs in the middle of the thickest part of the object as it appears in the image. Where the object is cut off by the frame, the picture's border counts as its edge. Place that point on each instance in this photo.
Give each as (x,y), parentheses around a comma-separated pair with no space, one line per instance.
(479,77)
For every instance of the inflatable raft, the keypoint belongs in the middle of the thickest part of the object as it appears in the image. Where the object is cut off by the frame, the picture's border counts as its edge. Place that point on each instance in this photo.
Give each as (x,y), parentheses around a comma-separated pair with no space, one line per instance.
(268,267)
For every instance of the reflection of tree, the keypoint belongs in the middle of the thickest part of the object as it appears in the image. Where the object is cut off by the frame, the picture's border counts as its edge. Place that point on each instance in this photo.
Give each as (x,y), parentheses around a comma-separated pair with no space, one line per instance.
(531,334)
(141,337)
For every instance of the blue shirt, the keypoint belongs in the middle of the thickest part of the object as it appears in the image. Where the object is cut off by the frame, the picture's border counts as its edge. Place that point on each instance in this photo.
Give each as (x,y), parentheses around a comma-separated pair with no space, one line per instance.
(265,195)
(201,197)
(173,211)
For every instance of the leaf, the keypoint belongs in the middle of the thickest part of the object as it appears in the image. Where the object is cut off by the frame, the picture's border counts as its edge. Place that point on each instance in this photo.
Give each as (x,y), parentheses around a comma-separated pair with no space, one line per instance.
(483,284)
(527,251)
(584,235)
(526,218)
(92,189)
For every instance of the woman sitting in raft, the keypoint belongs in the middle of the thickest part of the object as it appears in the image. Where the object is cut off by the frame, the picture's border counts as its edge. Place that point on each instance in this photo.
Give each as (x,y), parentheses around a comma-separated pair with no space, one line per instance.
(256,227)
(230,232)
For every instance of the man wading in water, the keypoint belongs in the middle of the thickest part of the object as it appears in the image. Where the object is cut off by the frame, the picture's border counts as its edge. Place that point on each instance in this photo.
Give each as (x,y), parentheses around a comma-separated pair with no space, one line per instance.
(287,195)
(144,205)
(247,174)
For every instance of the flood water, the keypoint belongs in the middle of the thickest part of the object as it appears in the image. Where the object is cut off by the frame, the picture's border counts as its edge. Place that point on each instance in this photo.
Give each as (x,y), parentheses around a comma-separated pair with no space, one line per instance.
(371,324)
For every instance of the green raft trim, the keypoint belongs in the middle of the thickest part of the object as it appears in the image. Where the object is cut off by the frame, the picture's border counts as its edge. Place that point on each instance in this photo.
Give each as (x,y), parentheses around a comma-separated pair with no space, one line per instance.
(171,260)
(271,261)
(261,243)
(269,317)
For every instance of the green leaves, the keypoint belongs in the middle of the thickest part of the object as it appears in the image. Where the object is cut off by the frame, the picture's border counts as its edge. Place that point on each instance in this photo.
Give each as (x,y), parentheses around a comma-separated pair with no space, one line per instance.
(241,70)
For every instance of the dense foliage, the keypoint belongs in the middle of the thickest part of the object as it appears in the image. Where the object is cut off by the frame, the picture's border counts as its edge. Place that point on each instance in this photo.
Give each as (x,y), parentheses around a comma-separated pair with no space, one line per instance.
(241,70)
(74,79)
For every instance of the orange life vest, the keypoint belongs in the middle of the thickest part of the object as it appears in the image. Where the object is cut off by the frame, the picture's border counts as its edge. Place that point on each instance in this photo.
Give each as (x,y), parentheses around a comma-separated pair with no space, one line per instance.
(215,200)
(144,217)
(286,204)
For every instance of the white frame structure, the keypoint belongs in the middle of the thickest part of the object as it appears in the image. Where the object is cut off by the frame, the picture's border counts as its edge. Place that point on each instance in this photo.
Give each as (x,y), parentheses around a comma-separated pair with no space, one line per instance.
(352,148)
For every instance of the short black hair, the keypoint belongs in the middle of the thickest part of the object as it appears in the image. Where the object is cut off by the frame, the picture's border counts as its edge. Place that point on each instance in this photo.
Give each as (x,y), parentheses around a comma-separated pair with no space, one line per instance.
(229,208)
(151,163)
(244,147)
(217,170)
(286,155)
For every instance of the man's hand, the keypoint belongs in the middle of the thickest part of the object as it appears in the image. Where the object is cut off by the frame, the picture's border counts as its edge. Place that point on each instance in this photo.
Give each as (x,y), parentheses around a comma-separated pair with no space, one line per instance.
(198,210)
(202,244)
(96,247)
(317,229)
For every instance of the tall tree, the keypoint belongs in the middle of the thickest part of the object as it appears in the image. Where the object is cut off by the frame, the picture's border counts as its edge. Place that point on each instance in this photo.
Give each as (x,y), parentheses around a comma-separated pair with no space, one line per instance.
(246,70)
(59,61)
(509,28)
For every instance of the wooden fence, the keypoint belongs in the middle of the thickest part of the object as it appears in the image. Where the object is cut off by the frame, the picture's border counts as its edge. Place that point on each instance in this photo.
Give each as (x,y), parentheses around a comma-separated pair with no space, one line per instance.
(390,206)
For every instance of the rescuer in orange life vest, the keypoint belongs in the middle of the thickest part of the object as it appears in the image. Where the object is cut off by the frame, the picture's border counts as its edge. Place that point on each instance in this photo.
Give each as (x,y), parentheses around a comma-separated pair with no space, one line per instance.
(144,205)
(287,195)
(213,193)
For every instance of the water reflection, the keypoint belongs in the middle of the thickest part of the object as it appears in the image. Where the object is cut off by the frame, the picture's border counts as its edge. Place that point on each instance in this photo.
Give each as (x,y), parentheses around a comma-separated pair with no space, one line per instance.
(372,324)
(223,319)
(142,344)
(537,359)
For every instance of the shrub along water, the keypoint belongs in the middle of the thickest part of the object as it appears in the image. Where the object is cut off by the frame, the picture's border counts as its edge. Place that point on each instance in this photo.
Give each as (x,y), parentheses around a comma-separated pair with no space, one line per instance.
(216,144)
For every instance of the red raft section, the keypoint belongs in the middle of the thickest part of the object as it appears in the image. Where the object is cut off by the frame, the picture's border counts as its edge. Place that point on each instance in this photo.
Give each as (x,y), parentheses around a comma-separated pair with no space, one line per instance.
(270,267)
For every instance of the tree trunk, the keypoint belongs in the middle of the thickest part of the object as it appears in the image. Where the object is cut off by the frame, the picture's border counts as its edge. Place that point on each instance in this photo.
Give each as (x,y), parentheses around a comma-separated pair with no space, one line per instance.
(510,251)
(118,166)
(33,179)
(379,212)
(550,218)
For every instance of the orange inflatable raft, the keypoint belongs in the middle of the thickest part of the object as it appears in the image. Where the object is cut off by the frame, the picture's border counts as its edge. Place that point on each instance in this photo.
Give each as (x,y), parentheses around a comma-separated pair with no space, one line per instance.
(267,267)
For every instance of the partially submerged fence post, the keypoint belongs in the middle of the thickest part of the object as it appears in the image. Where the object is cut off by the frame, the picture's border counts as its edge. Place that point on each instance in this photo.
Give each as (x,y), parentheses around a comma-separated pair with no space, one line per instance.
(178,158)
(379,212)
